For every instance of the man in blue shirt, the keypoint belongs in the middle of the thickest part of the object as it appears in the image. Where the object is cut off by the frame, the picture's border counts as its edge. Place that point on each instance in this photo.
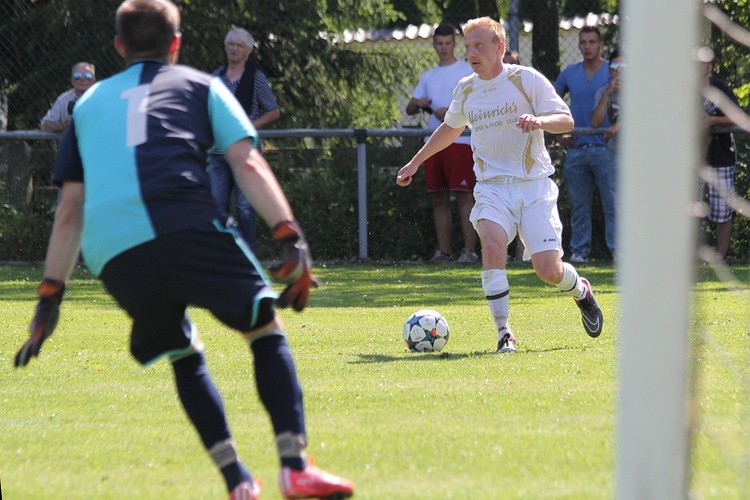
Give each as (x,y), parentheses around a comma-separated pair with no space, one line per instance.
(136,199)
(587,160)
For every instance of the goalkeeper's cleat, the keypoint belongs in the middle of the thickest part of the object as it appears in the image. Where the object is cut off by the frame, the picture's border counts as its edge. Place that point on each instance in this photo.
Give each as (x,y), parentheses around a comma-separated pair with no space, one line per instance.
(313,482)
(591,314)
(507,342)
(246,491)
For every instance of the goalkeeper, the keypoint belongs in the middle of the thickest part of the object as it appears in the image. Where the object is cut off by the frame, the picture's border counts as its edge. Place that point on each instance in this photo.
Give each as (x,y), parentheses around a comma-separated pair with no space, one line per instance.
(136,199)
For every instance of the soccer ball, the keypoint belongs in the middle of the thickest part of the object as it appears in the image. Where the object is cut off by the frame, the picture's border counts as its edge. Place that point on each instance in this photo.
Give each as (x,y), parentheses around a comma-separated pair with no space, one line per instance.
(426,330)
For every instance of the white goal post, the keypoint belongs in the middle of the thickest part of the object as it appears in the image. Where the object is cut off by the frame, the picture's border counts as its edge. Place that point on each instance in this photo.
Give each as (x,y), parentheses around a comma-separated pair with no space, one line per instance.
(660,149)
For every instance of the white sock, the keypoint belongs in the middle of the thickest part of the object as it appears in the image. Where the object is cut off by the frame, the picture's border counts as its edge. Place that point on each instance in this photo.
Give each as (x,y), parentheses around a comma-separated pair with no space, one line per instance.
(570,283)
(497,292)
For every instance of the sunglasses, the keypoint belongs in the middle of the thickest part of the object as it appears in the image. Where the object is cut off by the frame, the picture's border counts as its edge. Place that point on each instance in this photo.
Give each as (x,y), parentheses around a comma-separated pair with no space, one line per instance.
(82,76)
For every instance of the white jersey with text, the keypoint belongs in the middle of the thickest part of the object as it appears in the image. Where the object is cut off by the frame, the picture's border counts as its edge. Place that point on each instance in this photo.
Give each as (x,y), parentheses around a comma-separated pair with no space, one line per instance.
(492,108)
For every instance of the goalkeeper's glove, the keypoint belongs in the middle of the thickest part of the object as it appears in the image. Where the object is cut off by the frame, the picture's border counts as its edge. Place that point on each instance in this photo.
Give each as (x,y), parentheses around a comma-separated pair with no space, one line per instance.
(296,266)
(45,319)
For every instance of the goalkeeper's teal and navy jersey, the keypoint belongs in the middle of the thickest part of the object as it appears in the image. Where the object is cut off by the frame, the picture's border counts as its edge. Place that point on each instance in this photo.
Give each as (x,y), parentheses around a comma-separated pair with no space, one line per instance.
(138,141)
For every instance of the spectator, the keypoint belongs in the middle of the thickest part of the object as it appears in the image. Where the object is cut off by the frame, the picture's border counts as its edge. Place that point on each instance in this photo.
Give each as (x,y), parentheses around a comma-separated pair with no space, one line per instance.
(607,105)
(587,160)
(514,192)
(721,157)
(150,230)
(511,57)
(449,171)
(249,84)
(607,108)
(82,76)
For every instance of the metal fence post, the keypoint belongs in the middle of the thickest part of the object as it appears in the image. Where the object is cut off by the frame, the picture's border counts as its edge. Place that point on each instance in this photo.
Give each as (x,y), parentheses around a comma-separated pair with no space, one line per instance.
(361,135)
(514,24)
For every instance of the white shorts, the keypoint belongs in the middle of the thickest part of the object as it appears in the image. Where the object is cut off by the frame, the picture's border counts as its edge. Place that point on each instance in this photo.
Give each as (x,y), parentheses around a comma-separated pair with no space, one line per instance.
(528,208)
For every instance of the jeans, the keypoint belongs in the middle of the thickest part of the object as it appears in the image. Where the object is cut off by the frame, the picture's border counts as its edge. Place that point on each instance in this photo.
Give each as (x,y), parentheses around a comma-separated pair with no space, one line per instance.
(222,184)
(584,166)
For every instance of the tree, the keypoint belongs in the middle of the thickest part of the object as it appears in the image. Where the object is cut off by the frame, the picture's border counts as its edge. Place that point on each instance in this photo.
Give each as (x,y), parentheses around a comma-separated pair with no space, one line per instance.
(572,8)
(544,15)
(732,59)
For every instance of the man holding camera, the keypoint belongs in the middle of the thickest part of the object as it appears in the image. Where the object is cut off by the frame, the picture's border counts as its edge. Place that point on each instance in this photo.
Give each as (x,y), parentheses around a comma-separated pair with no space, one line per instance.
(82,76)
(607,101)
(451,170)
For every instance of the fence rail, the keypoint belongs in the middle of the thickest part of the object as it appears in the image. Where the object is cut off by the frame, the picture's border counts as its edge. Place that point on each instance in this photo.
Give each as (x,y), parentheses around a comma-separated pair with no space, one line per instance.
(360,135)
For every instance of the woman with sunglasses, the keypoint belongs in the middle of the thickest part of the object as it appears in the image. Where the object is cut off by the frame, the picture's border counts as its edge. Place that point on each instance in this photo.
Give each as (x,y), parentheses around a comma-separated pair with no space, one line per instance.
(82,76)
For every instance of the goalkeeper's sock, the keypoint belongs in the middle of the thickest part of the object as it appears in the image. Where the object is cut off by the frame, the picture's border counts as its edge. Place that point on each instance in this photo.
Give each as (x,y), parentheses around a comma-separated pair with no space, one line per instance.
(224,455)
(205,409)
(281,394)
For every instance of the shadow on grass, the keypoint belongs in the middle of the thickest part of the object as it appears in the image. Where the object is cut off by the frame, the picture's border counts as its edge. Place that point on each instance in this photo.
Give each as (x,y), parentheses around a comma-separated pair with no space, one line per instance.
(450,356)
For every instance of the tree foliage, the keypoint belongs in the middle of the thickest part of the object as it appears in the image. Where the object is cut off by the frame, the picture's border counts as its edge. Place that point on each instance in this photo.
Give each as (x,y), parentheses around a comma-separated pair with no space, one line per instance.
(732,59)
(322,82)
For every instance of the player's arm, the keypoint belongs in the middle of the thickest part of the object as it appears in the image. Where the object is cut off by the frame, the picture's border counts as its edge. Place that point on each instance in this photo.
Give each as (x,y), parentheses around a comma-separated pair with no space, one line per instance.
(258,183)
(558,123)
(62,255)
(65,240)
(441,138)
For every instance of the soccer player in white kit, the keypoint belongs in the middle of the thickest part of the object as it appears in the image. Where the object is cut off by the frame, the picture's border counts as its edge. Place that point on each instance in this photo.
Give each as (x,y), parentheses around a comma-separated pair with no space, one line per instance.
(509,108)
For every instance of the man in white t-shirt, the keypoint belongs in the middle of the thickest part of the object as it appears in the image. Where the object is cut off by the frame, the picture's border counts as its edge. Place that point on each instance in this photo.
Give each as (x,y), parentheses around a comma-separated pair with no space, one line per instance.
(450,170)
(508,109)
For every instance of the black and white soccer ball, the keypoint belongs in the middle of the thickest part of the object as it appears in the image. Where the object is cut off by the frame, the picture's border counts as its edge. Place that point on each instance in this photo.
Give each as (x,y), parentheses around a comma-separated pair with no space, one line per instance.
(426,330)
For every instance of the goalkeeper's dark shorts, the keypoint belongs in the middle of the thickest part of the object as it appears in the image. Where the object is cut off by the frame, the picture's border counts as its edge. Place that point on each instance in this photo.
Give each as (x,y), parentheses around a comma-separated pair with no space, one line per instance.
(206,266)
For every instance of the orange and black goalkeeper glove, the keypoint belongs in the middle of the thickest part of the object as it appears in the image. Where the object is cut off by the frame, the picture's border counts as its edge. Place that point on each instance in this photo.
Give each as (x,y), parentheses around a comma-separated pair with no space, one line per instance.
(295,268)
(45,319)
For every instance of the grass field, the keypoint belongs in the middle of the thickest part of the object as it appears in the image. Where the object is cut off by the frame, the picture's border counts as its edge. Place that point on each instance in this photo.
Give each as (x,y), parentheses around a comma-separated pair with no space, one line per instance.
(85,421)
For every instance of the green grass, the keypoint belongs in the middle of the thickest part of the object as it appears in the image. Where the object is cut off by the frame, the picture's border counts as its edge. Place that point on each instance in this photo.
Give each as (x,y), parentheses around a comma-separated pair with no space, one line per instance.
(85,421)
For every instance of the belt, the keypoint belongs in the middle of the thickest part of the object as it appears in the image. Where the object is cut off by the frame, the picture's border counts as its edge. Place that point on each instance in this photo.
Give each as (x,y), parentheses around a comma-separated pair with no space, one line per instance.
(505,179)
(589,145)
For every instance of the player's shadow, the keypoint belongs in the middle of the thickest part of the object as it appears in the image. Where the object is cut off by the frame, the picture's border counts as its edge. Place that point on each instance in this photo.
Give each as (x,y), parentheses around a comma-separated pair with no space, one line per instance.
(416,356)
(452,356)
(553,349)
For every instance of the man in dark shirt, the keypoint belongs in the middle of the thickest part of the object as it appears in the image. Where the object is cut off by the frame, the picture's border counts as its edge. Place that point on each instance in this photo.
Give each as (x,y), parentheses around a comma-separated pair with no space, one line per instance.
(721,157)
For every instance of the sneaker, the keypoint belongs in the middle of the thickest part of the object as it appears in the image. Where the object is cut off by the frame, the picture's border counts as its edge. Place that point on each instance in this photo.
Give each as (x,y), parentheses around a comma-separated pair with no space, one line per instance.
(313,483)
(440,258)
(507,342)
(590,312)
(246,491)
(578,258)
(468,256)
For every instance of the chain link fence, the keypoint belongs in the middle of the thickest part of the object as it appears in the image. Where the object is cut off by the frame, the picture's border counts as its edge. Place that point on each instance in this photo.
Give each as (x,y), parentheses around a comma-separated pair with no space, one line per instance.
(41,40)
(350,66)
(353,67)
